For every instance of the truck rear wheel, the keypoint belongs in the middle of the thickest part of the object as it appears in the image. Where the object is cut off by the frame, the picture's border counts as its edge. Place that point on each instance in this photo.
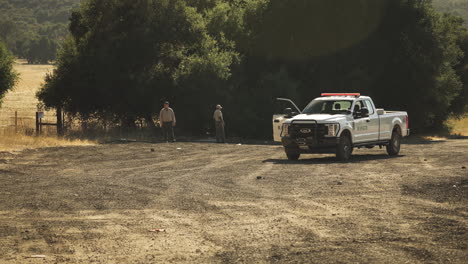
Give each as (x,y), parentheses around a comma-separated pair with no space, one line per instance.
(393,147)
(293,155)
(344,148)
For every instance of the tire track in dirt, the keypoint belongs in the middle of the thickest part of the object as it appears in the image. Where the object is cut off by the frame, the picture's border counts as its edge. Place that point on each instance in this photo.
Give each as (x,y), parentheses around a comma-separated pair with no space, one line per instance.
(214,209)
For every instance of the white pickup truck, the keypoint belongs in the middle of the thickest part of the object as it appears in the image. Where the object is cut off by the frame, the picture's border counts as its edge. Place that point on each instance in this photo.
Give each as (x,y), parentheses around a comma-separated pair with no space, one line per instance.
(337,123)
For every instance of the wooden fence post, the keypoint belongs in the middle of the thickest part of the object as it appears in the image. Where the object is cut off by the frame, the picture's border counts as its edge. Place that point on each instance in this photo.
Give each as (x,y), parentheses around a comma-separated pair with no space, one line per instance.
(16,121)
(59,122)
(37,124)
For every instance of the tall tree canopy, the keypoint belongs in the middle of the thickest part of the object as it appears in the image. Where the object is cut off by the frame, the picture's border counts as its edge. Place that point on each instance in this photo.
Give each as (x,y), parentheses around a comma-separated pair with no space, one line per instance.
(8,76)
(123,57)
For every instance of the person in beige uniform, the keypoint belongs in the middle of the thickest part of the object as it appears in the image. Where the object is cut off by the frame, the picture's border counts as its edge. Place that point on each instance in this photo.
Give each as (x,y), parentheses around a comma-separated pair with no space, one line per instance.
(168,121)
(219,124)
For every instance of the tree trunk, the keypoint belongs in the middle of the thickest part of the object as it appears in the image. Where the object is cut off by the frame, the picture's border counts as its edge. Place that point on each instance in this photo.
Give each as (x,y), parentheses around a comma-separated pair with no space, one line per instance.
(150,121)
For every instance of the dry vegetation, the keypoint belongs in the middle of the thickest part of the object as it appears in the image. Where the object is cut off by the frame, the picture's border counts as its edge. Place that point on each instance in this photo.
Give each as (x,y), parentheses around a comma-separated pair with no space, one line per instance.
(23,101)
(12,142)
(459,126)
(23,97)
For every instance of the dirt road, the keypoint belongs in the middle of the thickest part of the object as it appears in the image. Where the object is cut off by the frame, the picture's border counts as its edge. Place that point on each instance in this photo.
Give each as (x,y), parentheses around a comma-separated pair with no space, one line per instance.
(233,203)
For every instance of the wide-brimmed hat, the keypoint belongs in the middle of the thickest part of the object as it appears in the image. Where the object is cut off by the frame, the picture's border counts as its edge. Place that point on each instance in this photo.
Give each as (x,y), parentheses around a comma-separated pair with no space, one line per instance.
(167,102)
(219,107)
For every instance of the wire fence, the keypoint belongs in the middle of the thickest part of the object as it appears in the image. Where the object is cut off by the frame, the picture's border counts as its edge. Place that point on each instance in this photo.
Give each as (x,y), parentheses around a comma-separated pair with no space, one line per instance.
(46,123)
(25,123)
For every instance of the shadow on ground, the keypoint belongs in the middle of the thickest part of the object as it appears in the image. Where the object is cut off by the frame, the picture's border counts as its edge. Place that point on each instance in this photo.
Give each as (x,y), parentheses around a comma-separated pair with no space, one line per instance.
(333,159)
(453,190)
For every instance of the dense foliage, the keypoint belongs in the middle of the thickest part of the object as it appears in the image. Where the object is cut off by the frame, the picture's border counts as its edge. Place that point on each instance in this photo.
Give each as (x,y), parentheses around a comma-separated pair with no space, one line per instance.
(456,7)
(124,57)
(33,29)
(8,76)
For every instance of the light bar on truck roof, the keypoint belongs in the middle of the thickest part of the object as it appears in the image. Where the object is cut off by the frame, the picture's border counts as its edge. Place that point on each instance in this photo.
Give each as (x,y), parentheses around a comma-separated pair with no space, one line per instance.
(341,94)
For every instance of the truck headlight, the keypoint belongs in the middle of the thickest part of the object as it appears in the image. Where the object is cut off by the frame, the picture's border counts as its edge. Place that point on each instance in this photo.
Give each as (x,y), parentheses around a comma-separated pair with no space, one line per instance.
(285,130)
(332,129)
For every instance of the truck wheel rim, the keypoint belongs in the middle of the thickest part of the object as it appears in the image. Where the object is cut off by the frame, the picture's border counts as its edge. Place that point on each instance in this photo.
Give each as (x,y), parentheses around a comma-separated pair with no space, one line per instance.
(346,149)
(396,142)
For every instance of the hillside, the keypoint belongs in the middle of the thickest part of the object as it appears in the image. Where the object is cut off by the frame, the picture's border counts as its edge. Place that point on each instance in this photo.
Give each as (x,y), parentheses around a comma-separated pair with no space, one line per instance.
(456,7)
(34,26)
(32,29)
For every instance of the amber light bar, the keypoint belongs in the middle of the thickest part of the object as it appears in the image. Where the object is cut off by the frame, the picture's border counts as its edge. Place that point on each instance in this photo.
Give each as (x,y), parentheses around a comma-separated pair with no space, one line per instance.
(341,94)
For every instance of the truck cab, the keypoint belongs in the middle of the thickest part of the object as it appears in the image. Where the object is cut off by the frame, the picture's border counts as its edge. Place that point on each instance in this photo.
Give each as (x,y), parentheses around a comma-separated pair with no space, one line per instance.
(338,123)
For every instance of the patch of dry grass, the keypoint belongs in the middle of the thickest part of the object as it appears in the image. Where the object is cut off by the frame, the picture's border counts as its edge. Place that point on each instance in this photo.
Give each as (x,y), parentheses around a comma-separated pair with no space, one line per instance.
(17,142)
(434,138)
(459,126)
(22,99)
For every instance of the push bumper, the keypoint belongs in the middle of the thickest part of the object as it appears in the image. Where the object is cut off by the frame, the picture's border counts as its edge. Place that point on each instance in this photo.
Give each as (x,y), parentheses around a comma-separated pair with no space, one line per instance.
(310,145)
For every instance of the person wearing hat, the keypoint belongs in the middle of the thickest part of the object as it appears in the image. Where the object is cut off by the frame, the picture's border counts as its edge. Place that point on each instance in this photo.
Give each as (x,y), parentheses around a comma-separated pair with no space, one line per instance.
(168,121)
(219,124)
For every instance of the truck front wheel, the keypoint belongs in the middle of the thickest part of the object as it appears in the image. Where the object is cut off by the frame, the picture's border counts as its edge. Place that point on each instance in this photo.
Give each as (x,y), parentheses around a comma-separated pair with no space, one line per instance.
(344,148)
(393,147)
(293,155)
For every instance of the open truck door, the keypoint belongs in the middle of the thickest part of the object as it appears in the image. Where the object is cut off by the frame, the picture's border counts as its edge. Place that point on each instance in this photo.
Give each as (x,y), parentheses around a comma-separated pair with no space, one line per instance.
(281,114)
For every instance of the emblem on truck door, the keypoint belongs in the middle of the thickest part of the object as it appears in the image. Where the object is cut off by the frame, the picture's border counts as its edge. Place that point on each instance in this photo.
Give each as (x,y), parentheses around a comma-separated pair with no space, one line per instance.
(305,130)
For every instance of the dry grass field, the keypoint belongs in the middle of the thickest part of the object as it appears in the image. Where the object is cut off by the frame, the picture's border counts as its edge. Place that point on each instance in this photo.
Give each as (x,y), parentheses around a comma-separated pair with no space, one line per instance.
(460,126)
(22,99)
(14,142)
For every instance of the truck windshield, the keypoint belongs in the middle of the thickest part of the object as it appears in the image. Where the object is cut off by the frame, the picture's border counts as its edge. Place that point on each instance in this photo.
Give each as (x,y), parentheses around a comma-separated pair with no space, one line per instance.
(331,107)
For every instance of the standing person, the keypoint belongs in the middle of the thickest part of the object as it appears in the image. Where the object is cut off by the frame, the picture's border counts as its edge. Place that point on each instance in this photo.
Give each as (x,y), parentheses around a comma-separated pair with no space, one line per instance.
(168,121)
(219,124)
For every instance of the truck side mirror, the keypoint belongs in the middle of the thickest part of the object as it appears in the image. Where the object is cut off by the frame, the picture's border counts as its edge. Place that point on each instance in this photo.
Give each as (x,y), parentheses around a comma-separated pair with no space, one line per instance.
(364,112)
(288,113)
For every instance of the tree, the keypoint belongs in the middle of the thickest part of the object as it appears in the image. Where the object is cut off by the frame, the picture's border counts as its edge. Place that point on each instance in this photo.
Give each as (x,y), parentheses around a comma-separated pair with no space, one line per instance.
(460,104)
(402,53)
(419,73)
(124,57)
(8,76)
(40,51)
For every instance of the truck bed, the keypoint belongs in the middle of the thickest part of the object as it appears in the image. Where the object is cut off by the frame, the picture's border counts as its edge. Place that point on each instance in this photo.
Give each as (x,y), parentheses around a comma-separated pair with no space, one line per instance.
(387,121)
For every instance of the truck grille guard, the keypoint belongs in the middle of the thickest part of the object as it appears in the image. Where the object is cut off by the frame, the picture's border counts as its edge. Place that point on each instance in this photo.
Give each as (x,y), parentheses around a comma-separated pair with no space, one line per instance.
(307,121)
(315,129)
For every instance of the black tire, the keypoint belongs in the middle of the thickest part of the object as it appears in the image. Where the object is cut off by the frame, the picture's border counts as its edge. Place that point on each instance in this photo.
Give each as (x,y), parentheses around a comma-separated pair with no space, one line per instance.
(293,155)
(344,148)
(393,147)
